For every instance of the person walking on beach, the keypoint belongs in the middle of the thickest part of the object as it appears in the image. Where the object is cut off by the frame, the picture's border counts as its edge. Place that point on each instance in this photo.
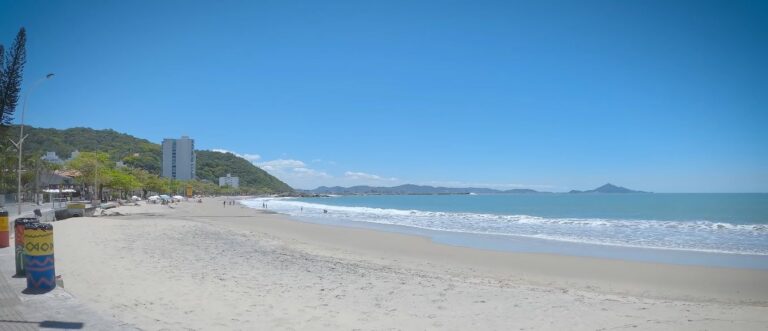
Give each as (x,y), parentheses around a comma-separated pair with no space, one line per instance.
(225,204)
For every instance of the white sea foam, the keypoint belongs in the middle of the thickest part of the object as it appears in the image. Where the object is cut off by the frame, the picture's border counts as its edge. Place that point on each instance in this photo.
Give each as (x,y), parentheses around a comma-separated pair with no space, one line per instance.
(704,236)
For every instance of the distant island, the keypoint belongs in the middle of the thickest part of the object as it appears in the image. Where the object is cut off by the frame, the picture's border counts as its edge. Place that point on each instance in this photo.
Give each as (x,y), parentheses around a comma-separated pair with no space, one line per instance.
(411,189)
(608,188)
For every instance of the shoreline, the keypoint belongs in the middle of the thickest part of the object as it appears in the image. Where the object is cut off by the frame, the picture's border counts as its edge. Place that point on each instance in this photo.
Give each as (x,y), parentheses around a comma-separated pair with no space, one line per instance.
(650,237)
(276,272)
(525,244)
(550,266)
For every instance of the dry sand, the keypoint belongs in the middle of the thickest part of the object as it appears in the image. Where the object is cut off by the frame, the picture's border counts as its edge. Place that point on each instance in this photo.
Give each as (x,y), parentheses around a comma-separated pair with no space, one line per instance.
(205,266)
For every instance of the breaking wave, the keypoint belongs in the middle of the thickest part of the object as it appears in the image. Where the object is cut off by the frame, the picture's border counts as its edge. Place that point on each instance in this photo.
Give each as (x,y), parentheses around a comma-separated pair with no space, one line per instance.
(704,236)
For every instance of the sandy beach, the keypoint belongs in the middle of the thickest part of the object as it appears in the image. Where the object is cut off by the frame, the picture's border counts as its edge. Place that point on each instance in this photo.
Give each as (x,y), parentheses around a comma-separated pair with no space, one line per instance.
(206,266)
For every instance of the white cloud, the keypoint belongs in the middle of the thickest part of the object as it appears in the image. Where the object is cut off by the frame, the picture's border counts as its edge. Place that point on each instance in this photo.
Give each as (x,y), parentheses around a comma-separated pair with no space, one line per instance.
(364,176)
(250,157)
(295,173)
(311,173)
(281,164)
(300,175)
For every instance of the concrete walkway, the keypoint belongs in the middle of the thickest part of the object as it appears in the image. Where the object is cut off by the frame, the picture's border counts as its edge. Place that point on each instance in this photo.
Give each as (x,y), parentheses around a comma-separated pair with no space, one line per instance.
(27,208)
(54,310)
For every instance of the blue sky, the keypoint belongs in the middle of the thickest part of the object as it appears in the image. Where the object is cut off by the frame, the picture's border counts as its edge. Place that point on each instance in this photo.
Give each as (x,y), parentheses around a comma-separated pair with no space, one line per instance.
(664,96)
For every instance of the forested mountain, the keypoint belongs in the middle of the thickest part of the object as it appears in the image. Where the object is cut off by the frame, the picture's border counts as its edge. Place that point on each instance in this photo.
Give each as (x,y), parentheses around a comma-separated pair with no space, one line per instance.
(212,165)
(412,189)
(137,152)
(144,154)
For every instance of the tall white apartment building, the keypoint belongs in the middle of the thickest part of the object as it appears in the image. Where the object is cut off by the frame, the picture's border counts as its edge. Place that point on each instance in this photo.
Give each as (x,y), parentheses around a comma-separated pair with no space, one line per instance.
(179,158)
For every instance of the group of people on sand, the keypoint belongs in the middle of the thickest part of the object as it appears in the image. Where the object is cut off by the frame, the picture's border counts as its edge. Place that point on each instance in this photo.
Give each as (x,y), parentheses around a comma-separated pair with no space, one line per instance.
(231,203)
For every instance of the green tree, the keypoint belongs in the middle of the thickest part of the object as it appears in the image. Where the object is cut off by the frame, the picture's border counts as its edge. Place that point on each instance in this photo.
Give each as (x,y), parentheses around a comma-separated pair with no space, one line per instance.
(11,72)
(7,168)
(156,184)
(173,186)
(122,181)
(93,168)
(142,178)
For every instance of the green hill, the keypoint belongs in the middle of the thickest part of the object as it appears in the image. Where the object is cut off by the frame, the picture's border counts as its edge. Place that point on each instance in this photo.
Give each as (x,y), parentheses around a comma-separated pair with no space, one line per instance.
(212,165)
(141,153)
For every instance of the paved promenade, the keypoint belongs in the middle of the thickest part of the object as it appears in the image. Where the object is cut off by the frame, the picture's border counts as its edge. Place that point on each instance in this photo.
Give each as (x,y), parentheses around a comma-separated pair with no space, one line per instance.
(54,310)
(26,209)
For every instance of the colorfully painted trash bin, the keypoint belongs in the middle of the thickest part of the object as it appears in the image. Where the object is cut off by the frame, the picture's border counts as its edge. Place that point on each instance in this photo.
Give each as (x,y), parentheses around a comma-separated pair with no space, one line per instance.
(38,256)
(5,234)
(18,230)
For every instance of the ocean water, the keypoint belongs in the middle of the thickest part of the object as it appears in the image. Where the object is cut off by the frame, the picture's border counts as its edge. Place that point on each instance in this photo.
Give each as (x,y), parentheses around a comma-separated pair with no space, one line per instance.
(731,224)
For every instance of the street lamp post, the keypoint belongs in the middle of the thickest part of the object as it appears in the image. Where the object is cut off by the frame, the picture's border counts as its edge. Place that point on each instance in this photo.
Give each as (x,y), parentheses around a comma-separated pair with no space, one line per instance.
(19,144)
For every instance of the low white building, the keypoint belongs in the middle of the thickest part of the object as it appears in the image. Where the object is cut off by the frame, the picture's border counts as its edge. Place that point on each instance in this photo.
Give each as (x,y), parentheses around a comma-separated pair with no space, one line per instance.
(52,157)
(229,181)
